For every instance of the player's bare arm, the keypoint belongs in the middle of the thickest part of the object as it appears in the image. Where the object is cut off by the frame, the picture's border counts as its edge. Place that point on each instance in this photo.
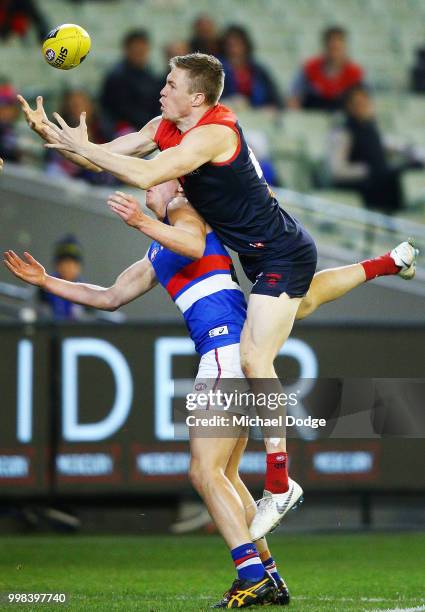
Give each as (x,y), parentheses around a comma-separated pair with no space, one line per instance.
(210,143)
(130,284)
(139,143)
(187,230)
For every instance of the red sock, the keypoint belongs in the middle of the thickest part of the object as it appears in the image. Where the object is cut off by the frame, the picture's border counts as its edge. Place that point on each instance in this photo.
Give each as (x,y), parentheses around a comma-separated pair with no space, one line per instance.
(277,473)
(380,266)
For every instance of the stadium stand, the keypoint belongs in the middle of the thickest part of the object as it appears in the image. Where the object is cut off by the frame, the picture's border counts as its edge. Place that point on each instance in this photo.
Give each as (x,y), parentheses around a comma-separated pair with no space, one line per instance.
(383,36)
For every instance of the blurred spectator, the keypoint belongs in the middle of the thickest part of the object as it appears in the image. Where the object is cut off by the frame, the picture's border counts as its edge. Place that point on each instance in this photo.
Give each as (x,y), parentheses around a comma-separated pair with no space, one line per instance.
(73,103)
(130,93)
(16,17)
(179,47)
(205,37)
(358,158)
(68,259)
(324,80)
(246,81)
(9,114)
(418,72)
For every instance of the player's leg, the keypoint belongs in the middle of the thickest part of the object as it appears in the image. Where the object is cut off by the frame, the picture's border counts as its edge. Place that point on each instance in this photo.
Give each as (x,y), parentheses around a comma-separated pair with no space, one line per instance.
(269,322)
(232,472)
(329,285)
(209,458)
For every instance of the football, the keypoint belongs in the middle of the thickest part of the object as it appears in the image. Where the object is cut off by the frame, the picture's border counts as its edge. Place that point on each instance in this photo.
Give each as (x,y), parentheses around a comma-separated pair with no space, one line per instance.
(66,46)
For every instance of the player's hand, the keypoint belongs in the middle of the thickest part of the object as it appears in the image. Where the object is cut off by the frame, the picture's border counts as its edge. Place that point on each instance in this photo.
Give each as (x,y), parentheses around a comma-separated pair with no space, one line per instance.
(34,118)
(30,271)
(127,208)
(66,138)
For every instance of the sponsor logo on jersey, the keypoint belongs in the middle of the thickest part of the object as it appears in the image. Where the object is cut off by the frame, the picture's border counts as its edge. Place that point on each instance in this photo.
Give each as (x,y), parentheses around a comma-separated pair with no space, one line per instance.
(257,245)
(218,331)
(50,55)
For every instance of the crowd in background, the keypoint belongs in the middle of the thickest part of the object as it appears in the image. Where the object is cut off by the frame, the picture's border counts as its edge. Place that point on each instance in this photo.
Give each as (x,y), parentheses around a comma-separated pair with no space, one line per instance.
(330,82)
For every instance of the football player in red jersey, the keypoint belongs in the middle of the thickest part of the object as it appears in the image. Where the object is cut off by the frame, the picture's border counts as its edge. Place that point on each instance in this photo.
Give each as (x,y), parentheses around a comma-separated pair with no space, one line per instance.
(202,144)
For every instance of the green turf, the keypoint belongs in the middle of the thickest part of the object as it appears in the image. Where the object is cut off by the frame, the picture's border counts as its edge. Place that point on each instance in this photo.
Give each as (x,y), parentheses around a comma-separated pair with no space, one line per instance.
(324,572)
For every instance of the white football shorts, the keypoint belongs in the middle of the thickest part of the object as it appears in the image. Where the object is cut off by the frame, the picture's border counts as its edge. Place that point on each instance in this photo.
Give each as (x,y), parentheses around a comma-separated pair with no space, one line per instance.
(220,370)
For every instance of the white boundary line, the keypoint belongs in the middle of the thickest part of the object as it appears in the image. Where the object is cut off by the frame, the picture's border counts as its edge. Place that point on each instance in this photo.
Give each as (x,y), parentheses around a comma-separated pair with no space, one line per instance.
(417,609)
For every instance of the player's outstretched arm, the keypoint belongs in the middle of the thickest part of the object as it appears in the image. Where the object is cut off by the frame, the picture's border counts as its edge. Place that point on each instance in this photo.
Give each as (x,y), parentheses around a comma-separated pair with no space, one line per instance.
(138,143)
(185,235)
(133,282)
(36,118)
(203,144)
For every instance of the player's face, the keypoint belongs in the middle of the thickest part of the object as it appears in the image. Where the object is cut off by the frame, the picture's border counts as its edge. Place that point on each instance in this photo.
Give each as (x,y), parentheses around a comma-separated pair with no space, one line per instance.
(176,101)
(158,196)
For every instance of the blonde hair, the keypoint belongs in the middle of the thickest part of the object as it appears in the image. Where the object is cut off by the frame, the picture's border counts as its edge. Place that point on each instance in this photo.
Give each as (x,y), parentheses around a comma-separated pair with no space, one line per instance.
(206,74)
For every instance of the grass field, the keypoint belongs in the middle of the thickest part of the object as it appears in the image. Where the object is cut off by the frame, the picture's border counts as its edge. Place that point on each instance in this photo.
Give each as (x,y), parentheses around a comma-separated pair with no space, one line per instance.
(324,572)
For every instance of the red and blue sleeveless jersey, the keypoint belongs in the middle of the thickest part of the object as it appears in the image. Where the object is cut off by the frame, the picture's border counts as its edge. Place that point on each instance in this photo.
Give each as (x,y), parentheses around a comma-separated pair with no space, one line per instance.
(233,196)
(206,291)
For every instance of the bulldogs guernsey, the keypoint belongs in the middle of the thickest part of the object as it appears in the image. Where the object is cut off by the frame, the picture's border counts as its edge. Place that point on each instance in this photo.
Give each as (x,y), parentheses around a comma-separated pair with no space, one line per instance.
(233,196)
(206,291)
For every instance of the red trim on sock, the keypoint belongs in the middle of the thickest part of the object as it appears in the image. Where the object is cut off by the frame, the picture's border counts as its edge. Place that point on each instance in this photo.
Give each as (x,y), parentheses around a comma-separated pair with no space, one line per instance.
(277,473)
(380,266)
(243,559)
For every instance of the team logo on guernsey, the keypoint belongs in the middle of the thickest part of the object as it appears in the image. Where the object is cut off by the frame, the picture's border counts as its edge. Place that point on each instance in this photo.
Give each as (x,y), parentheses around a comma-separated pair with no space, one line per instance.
(257,245)
(218,331)
(273,279)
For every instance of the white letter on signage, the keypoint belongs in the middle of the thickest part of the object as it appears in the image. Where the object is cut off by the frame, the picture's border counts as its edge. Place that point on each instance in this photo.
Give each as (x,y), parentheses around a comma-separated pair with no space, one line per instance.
(72,349)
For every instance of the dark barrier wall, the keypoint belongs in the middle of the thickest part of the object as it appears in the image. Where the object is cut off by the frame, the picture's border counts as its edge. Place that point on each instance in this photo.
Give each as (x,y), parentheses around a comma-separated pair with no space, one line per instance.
(89,409)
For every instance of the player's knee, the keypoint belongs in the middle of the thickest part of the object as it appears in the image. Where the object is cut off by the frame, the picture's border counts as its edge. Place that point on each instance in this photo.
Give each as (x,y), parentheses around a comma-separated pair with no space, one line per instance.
(204,476)
(255,365)
(307,307)
(249,364)
(195,475)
